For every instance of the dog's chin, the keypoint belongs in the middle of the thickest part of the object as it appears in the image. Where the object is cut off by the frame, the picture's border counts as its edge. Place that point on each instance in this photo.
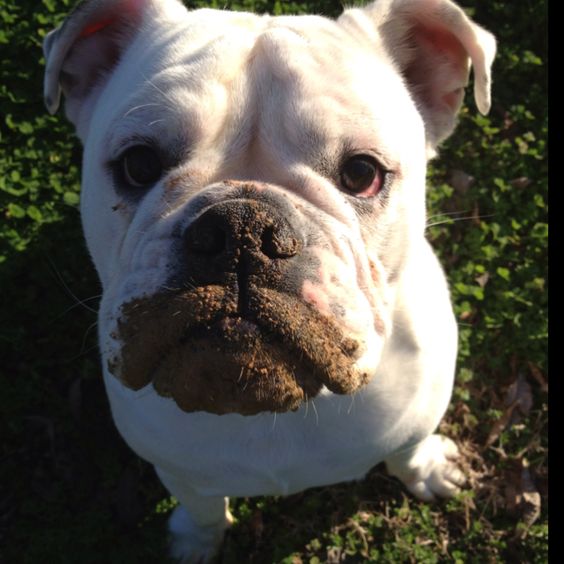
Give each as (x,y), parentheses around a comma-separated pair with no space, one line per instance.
(196,347)
(234,369)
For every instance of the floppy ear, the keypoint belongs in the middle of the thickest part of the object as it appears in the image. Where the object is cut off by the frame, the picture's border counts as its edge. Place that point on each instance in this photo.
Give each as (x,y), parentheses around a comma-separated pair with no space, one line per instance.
(433,43)
(81,53)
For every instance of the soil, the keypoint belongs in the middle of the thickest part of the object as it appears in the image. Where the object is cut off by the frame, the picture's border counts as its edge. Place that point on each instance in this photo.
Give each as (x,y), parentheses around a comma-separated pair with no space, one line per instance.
(195,347)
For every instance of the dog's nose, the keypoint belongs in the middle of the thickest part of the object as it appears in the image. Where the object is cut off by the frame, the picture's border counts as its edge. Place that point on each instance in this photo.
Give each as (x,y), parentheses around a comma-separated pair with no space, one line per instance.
(241,234)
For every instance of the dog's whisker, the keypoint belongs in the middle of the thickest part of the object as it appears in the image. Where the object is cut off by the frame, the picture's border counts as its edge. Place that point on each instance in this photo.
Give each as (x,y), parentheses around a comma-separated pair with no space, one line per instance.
(88,329)
(351,404)
(67,289)
(442,214)
(170,210)
(171,288)
(450,220)
(80,303)
(241,374)
(164,94)
(315,411)
(83,349)
(83,353)
(134,109)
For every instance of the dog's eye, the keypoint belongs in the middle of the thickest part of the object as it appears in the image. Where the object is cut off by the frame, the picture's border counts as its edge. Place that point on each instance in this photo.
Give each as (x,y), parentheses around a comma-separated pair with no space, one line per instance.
(363,176)
(141,166)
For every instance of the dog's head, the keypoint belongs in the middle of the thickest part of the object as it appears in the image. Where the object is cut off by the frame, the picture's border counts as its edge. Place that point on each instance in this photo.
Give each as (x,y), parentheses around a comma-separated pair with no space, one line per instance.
(253,186)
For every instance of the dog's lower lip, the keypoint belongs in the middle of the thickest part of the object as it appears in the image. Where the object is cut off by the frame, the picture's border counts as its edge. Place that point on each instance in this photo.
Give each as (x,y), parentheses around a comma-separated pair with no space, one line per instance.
(200,349)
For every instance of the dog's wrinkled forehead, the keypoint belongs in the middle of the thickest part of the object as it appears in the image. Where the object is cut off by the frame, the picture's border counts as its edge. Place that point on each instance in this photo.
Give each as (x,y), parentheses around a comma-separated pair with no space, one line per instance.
(377,57)
(260,89)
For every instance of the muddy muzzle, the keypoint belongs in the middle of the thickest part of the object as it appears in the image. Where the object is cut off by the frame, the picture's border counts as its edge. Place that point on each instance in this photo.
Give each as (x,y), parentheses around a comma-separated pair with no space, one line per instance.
(230,334)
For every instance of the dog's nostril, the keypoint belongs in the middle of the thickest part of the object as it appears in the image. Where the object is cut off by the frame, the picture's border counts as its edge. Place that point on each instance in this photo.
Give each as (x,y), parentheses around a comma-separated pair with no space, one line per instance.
(229,232)
(277,244)
(205,239)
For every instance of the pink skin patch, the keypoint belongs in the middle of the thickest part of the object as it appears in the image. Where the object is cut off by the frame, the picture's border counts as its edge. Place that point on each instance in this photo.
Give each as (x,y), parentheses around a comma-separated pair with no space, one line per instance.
(128,9)
(315,295)
(451,54)
(337,294)
(96,27)
(374,274)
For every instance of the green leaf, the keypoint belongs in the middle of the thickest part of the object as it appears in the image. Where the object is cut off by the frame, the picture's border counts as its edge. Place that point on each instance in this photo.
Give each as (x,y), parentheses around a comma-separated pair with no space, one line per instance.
(503,272)
(34,213)
(25,127)
(71,198)
(14,210)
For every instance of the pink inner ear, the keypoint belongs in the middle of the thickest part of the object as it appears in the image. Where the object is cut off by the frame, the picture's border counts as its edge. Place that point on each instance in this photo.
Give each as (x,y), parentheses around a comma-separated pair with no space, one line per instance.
(96,27)
(443,42)
(440,70)
(453,99)
(129,10)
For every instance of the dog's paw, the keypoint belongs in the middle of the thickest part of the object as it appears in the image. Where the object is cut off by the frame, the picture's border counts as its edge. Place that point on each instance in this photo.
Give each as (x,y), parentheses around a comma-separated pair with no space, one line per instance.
(193,544)
(429,469)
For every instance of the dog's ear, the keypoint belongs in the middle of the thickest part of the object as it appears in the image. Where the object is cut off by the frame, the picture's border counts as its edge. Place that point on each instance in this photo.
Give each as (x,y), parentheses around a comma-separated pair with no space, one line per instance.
(433,43)
(81,53)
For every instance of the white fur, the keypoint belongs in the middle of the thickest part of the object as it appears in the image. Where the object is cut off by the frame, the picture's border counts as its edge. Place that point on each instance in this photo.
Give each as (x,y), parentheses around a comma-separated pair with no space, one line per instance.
(254,98)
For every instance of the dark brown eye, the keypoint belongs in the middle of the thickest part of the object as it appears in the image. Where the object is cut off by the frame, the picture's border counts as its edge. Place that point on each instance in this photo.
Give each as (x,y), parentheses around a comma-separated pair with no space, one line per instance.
(141,166)
(363,176)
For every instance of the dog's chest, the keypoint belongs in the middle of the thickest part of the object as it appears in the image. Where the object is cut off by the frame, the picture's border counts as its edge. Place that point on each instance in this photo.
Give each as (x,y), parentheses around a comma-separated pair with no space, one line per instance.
(331,441)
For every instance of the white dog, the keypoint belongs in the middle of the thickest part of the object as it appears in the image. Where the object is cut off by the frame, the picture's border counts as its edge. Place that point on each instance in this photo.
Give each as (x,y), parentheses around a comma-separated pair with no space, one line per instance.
(254,202)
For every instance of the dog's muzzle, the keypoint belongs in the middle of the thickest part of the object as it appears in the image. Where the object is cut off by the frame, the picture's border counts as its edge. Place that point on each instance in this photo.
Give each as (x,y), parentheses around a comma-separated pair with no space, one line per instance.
(231,334)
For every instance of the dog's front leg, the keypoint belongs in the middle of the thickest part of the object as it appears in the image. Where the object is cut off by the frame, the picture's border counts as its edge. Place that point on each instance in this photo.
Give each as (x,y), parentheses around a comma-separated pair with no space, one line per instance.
(428,469)
(198,524)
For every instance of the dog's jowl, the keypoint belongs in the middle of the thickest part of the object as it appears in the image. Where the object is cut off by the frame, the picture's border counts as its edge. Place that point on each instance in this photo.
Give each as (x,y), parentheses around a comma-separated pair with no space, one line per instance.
(253,199)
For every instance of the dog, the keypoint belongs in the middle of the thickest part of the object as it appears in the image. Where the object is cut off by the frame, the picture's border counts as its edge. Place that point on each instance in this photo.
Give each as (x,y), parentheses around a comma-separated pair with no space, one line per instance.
(253,199)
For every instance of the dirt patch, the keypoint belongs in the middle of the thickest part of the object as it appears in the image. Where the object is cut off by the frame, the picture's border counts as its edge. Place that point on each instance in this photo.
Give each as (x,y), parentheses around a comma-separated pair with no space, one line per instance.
(196,348)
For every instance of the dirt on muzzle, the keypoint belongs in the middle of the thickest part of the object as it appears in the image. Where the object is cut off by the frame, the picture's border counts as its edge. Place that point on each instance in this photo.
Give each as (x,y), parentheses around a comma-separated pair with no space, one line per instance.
(195,348)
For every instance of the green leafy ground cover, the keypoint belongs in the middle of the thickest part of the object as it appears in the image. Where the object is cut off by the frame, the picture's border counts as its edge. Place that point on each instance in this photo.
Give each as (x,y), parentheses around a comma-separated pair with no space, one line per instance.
(73,492)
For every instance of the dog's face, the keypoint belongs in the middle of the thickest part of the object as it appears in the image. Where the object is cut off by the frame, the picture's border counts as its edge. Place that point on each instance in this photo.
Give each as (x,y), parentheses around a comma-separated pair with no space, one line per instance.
(252,187)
